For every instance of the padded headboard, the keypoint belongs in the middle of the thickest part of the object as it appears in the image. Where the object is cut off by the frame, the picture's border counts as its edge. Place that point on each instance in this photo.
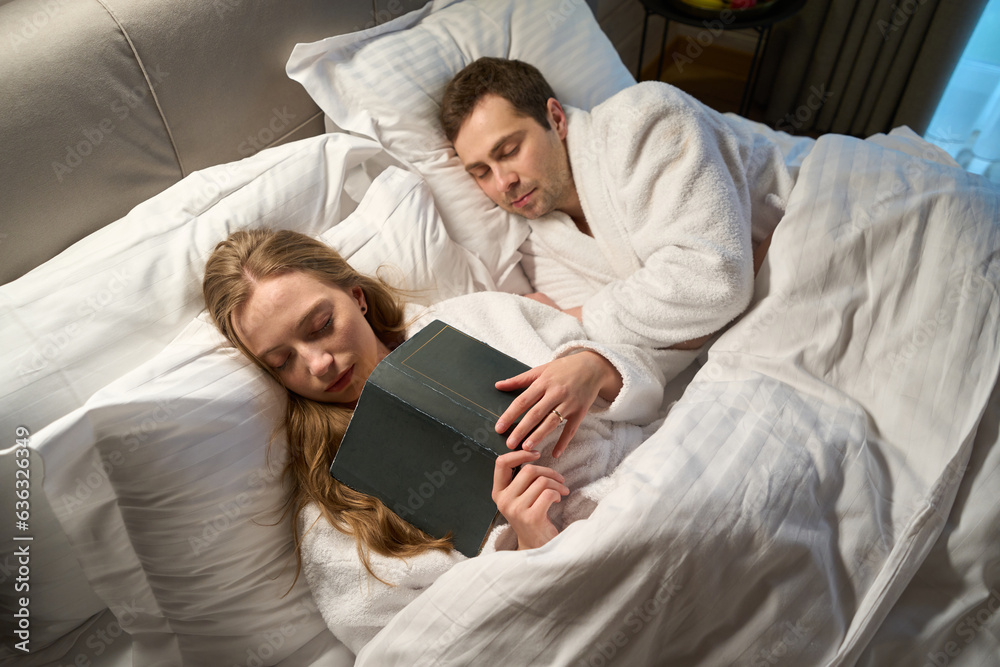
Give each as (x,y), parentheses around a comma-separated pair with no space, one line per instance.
(104,103)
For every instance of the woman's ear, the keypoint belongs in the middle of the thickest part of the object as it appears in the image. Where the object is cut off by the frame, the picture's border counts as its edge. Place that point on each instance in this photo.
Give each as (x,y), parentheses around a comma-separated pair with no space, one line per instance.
(359,296)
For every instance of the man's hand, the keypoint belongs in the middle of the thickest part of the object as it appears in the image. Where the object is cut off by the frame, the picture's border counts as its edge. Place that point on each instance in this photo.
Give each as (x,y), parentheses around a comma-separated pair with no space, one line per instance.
(567,386)
(525,500)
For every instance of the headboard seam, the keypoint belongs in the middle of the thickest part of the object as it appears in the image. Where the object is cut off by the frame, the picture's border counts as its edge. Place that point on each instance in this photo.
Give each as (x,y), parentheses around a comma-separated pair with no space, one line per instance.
(149,84)
(278,140)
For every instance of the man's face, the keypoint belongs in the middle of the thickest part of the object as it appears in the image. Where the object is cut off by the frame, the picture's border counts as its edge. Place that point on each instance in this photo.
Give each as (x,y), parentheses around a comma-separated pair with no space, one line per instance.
(519,164)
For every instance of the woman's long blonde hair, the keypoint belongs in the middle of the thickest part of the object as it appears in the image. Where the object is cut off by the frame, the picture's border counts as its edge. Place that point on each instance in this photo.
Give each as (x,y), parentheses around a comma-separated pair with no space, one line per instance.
(314,430)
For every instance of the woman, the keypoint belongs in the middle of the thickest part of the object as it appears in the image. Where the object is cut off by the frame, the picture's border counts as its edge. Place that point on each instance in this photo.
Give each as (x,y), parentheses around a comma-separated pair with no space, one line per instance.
(298,310)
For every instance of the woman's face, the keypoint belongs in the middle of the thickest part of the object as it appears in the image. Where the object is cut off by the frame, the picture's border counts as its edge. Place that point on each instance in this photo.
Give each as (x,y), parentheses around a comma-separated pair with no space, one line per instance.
(313,334)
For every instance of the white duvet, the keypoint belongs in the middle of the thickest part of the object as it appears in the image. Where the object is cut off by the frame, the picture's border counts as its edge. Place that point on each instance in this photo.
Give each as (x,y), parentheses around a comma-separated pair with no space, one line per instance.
(798,484)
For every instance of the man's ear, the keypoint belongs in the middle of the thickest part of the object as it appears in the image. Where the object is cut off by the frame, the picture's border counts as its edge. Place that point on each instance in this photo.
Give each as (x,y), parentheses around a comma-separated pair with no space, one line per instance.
(557,117)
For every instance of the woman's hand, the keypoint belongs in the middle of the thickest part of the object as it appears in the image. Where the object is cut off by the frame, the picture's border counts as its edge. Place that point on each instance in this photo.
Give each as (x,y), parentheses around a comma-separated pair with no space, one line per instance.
(565,387)
(525,500)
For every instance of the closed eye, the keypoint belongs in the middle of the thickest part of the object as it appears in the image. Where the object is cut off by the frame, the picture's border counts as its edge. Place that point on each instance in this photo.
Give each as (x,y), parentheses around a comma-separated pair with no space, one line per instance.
(317,332)
(326,325)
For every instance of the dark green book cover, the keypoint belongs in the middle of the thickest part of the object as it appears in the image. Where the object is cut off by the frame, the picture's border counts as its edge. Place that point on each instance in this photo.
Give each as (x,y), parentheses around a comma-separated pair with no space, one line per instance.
(422,437)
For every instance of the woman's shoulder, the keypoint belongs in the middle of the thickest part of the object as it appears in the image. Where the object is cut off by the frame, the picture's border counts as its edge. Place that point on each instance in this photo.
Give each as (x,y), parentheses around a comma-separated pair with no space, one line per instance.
(327,548)
(308,515)
(319,535)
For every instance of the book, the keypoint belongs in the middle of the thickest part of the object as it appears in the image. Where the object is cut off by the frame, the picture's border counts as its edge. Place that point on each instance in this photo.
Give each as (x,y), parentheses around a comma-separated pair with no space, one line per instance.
(422,437)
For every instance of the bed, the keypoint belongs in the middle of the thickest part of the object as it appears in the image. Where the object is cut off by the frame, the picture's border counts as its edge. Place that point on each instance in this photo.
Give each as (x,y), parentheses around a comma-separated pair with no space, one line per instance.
(823,489)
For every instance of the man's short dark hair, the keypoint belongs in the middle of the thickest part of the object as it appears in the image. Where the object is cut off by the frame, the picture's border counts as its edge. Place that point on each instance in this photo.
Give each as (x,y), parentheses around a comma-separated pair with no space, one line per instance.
(517,82)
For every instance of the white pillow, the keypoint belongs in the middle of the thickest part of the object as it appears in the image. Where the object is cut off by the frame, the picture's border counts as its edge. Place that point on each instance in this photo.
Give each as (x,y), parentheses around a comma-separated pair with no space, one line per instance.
(386,83)
(396,232)
(160,479)
(116,298)
(59,599)
(162,485)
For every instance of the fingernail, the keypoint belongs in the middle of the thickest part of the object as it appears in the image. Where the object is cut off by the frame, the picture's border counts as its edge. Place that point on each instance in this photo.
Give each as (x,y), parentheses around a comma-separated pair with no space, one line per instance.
(501,427)
(528,444)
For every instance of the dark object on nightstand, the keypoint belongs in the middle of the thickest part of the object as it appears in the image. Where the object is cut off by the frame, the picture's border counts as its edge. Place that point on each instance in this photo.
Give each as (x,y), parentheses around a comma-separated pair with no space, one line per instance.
(759,18)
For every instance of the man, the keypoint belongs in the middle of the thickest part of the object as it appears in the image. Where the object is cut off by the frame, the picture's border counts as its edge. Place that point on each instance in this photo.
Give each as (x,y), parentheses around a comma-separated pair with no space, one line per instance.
(664,201)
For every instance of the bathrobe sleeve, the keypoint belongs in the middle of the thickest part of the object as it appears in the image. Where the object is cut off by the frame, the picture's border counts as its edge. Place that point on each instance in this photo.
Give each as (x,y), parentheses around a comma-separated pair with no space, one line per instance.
(663,183)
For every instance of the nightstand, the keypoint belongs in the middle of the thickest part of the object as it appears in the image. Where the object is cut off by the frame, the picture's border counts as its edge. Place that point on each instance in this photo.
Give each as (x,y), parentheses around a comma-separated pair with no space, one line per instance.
(760,19)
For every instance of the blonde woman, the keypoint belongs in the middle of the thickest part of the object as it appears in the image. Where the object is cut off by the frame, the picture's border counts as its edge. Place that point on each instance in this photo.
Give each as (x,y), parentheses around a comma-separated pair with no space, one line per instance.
(294,307)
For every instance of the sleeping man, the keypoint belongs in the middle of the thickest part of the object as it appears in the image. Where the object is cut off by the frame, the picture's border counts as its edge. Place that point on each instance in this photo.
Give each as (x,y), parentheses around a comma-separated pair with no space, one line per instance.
(669,205)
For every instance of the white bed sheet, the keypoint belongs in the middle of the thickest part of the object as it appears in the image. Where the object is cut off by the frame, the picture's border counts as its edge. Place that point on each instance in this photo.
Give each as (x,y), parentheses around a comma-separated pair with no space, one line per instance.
(947,616)
(802,479)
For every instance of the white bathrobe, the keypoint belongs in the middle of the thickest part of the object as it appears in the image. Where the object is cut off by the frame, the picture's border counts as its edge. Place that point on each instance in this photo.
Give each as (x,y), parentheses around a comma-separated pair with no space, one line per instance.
(356,606)
(674,193)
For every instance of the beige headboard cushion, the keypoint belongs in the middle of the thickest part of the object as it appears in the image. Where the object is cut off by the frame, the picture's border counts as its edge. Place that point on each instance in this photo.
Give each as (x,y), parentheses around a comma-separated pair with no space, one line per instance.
(104,103)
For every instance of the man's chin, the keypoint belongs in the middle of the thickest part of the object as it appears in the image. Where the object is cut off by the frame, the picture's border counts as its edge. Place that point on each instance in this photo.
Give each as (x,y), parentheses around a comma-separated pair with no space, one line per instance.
(527,212)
